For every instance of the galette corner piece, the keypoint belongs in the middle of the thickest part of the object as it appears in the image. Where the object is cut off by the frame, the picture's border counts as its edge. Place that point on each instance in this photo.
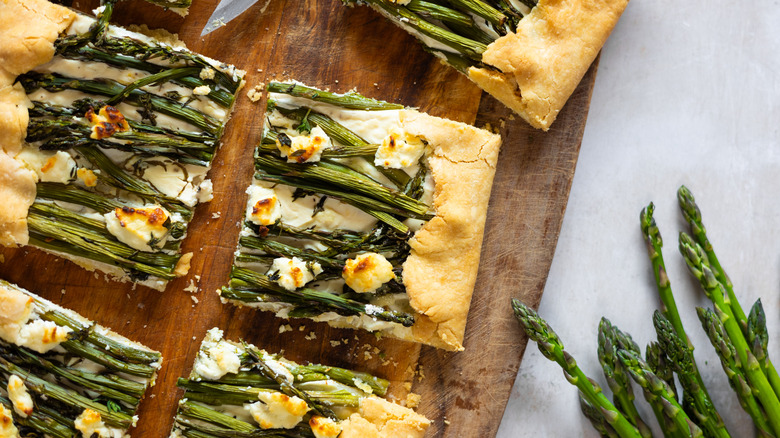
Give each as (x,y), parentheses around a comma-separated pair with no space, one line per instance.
(107,137)
(528,54)
(65,376)
(237,389)
(364,214)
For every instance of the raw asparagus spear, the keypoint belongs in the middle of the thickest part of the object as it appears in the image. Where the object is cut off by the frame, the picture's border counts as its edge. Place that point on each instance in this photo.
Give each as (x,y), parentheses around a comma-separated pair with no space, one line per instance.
(657,363)
(617,379)
(692,215)
(699,266)
(713,326)
(598,421)
(551,347)
(680,358)
(644,377)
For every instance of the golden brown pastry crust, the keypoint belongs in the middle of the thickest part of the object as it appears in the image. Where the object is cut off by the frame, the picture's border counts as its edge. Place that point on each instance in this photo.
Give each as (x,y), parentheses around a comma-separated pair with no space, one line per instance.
(540,66)
(379,418)
(441,270)
(17,190)
(28,29)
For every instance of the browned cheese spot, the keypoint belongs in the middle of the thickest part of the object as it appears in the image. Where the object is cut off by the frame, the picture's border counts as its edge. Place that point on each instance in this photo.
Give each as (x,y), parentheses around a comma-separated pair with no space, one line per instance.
(107,122)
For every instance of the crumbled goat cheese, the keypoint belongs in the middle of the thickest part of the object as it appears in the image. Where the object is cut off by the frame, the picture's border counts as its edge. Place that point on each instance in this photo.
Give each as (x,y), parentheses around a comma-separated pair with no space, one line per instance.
(324,427)
(7,427)
(303,148)
(20,398)
(398,150)
(216,357)
(294,273)
(207,73)
(277,411)
(367,272)
(141,228)
(57,167)
(90,423)
(202,90)
(263,206)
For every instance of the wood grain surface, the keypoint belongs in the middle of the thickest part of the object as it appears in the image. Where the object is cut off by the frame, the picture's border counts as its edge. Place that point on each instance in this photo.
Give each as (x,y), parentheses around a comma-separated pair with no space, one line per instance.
(327,45)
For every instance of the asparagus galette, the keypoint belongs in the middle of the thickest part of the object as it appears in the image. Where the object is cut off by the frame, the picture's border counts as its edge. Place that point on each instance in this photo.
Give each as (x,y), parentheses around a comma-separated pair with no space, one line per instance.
(65,376)
(364,214)
(238,390)
(529,54)
(117,129)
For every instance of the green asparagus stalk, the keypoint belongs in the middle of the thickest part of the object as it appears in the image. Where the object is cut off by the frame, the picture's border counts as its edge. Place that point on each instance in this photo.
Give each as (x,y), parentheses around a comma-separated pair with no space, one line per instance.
(76,195)
(379,386)
(61,134)
(369,150)
(345,181)
(376,208)
(107,87)
(350,141)
(39,421)
(618,381)
(198,429)
(80,243)
(279,249)
(408,19)
(654,243)
(757,335)
(692,215)
(644,377)
(348,100)
(481,9)
(597,420)
(221,96)
(439,12)
(699,266)
(44,388)
(680,358)
(159,77)
(551,347)
(308,373)
(321,298)
(715,330)
(96,32)
(79,378)
(202,412)
(180,137)
(285,385)
(657,363)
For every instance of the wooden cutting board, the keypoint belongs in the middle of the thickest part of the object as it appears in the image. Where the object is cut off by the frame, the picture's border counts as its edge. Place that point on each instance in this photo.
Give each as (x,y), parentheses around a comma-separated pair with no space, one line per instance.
(327,45)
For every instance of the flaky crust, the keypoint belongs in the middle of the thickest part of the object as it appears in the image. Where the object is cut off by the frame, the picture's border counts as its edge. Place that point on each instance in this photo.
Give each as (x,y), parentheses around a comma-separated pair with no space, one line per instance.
(379,418)
(441,270)
(540,66)
(17,190)
(28,29)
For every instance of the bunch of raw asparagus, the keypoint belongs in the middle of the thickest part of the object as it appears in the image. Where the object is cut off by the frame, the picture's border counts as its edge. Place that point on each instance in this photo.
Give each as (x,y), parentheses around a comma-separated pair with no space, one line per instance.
(740,341)
(457,31)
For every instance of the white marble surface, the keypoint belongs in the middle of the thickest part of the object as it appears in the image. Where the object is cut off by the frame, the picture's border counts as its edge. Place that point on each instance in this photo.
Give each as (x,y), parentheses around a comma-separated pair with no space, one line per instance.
(687,93)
